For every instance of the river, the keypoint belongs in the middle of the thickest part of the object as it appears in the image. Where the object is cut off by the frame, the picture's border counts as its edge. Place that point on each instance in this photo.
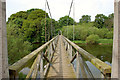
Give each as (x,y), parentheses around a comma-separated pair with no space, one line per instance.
(103,52)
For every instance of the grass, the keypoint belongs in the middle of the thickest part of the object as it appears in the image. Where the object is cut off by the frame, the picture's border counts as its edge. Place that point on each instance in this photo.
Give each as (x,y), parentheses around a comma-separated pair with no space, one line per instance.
(103,41)
(76,41)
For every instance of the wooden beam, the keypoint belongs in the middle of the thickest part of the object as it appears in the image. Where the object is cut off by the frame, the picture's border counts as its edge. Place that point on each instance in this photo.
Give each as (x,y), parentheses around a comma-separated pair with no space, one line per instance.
(22,62)
(35,71)
(33,66)
(103,67)
(46,58)
(4,73)
(116,41)
(74,57)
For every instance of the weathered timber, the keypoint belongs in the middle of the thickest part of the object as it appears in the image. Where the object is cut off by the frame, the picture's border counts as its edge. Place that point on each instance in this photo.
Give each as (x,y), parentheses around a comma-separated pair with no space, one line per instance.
(78,66)
(82,66)
(74,57)
(116,41)
(33,66)
(103,67)
(60,66)
(22,62)
(4,73)
(35,71)
(41,67)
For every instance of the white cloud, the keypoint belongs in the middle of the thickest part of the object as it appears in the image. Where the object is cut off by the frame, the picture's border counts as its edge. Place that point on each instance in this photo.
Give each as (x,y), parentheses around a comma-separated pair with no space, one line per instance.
(60,8)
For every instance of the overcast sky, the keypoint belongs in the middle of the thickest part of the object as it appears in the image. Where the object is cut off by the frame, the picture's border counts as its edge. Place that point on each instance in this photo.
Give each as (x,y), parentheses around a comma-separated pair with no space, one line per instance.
(60,8)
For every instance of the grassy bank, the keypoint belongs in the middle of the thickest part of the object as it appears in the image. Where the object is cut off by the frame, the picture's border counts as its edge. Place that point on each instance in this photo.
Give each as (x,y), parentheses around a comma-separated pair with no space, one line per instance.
(100,41)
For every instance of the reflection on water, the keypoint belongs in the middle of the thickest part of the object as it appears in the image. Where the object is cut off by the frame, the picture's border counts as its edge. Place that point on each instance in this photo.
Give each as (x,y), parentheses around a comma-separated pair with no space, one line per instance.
(103,52)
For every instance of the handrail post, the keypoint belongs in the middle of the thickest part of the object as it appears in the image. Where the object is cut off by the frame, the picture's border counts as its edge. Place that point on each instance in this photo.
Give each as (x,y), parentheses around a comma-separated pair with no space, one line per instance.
(41,67)
(13,74)
(78,66)
(70,51)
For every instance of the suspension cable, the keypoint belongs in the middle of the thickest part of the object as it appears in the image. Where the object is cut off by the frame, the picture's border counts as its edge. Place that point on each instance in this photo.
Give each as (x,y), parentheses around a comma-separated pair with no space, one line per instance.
(45,21)
(68,16)
(73,19)
(50,16)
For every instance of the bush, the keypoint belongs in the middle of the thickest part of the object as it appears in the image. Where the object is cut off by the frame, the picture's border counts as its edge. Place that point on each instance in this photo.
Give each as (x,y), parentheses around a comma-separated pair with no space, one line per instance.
(92,39)
(109,35)
(102,32)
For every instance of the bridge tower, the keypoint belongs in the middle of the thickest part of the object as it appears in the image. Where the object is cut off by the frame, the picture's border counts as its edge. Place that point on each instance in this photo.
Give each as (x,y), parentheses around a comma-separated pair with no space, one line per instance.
(4,73)
(116,41)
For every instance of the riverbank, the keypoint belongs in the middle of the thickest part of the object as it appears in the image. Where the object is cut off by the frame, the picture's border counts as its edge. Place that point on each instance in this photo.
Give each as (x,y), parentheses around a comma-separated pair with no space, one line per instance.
(100,41)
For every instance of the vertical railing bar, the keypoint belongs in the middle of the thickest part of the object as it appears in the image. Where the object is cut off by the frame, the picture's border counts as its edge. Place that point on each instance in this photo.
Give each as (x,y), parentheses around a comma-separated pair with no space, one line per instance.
(32,68)
(84,75)
(35,71)
(70,51)
(87,68)
(41,67)
(78,66)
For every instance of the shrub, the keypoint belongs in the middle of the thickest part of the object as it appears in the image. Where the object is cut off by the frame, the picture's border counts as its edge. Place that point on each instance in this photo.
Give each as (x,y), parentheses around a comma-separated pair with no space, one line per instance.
(109,35)
(92,39)
(102,32)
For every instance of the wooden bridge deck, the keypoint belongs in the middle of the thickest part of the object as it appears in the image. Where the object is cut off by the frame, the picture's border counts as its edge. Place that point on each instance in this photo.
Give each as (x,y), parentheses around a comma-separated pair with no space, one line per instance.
(61,66)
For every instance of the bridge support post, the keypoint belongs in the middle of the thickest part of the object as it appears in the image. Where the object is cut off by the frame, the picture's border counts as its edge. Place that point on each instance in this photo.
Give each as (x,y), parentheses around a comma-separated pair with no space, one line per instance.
(78,65)
(116,41)
(70,51)
(4,73)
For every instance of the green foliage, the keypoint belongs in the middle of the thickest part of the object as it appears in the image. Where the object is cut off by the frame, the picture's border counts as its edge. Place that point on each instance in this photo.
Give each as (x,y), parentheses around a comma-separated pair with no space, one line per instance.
(102,32)
(109,21)
(25,29)
(82,31)
(64,21)
(35,14)
(100,20)
(17,47)
(92,39)
(21,15)
(110,41)
(85,19)
(22,76)
(109,35)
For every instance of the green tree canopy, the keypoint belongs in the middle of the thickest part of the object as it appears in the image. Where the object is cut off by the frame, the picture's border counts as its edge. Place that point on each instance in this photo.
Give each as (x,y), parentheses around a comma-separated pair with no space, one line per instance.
(100,20)
(85,19)
(64,21)
(109,21)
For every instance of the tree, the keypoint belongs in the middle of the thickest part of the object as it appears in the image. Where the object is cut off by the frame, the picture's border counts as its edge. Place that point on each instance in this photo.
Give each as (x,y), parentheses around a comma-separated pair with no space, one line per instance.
(109,21)
(39,13)
(85,19)
(64,21)
(92,39)
(49,28)
(100,20)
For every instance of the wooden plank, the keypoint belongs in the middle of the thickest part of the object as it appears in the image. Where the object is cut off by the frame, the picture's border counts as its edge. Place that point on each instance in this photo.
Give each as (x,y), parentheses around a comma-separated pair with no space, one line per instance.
(74,57)
(32,67)
(78,66)
(61,66)
(35,71)
(22,62)
(41,67)
(82,66)
(103,67)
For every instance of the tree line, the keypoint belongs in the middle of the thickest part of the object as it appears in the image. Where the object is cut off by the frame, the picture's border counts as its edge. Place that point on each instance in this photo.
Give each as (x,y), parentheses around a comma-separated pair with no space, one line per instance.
(26,30)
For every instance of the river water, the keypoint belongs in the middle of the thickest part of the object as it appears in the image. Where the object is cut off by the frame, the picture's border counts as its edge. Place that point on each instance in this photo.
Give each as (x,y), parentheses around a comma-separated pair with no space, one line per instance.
(103,52)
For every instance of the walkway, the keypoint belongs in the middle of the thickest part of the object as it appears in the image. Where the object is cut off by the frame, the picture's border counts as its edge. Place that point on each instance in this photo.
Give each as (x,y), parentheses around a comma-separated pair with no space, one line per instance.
(61,66)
